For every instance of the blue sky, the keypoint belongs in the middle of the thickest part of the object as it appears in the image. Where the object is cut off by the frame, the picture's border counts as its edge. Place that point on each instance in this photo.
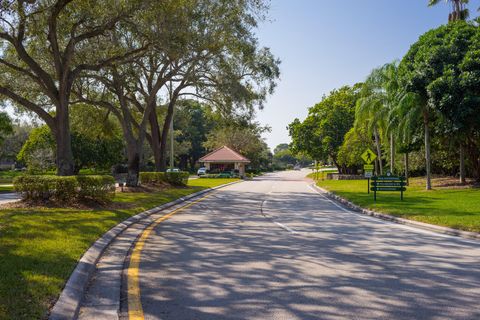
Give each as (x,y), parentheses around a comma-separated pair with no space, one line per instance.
(325,44)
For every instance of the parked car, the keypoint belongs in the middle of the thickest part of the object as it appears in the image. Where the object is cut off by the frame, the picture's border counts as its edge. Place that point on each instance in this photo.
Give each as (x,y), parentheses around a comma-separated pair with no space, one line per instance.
(202,171)
(173,170)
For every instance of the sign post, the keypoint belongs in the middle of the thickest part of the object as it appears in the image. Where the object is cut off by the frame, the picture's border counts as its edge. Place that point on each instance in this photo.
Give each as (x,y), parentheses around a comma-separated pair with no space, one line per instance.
(388,183)
(368,156)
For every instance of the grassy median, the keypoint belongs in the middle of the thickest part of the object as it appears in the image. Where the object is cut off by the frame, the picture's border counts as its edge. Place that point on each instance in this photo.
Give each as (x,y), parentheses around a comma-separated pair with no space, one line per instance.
(446,205)
(6,188)
(39,247)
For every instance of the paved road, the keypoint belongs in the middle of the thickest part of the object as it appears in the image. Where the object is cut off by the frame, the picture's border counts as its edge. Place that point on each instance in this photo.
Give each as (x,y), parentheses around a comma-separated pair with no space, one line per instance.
(273,248)
(9,197)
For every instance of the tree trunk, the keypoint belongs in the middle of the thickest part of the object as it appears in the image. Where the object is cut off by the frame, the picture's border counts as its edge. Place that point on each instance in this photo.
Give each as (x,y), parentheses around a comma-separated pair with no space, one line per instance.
(155,141)
(406,166)
(427,151)
(379,150)
(133,164)
(192,164)
(65,162)
(462,164)
(164,135)
(392,154)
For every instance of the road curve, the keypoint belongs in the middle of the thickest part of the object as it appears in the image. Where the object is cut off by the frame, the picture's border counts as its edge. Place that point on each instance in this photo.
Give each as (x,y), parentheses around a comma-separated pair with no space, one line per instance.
(273,248)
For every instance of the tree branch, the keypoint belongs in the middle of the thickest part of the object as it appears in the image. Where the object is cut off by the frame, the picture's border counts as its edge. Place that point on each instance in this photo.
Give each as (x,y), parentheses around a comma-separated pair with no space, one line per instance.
(44,115)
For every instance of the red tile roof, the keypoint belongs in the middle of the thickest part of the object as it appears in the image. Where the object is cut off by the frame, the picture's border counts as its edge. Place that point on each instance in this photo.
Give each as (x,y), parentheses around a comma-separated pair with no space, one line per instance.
(224,154)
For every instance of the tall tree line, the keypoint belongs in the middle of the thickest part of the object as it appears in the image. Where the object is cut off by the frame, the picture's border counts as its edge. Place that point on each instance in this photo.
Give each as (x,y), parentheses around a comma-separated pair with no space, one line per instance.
(428,102)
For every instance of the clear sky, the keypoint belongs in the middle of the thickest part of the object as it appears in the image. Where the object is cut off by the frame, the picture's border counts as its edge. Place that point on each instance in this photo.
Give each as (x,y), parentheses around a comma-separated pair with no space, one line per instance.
(325,44)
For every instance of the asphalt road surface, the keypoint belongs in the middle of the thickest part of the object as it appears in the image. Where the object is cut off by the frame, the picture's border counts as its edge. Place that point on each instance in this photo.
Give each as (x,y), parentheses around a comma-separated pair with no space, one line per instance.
(9,197)
(273,248)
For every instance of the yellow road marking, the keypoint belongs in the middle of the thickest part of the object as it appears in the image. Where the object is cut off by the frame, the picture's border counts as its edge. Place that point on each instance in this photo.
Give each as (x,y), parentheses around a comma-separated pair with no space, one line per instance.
(135,310)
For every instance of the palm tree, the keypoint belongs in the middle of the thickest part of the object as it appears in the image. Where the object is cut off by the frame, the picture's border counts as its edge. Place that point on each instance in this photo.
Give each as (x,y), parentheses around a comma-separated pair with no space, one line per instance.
(410,109)
(459,9)
(370,112)
(379,96)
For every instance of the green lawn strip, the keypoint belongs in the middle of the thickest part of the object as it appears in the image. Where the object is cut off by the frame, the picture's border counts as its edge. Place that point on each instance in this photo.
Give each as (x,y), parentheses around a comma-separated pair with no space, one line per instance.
(321,175)
(454,208)
(39,248)
(6,188)
(8,175)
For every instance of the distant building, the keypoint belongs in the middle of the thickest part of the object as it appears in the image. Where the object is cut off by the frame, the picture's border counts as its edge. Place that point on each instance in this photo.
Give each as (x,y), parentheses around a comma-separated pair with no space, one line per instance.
(225,159)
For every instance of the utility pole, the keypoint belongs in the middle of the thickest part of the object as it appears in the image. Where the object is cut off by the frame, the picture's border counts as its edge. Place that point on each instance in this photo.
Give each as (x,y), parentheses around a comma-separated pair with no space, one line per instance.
(171,140)
(171,124)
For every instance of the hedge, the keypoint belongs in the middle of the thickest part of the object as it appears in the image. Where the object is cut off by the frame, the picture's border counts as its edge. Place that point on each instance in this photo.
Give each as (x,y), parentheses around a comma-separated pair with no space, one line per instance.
(65,189)
(156,178)
(97,188)
(152,178)
(218,176)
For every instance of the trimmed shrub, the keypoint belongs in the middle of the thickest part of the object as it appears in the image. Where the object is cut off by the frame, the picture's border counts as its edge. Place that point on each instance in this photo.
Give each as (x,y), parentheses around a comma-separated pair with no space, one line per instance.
(223,175)
(173,178)
(96,187)
(152,178)
(46,187)
(177,178)
(65,189)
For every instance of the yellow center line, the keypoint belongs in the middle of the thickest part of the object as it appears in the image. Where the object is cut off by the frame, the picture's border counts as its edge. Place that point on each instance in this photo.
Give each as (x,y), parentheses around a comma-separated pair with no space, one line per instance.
(135,310)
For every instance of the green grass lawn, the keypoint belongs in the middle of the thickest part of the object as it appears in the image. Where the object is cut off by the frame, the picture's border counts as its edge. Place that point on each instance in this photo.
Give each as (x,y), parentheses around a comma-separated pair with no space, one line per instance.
(6,188)
(8,175)
(321,175)
(39,248)
(451,207)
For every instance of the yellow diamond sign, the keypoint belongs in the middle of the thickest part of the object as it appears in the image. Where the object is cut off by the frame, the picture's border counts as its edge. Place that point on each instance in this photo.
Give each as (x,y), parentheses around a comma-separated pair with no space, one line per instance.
(369,156)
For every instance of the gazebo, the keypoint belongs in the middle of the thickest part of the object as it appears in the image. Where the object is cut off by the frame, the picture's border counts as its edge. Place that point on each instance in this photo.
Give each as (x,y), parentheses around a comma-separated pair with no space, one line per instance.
(225,159)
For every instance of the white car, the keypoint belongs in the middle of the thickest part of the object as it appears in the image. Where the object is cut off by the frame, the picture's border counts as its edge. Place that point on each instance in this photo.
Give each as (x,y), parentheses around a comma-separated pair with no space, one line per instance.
(202,171)
(173,170)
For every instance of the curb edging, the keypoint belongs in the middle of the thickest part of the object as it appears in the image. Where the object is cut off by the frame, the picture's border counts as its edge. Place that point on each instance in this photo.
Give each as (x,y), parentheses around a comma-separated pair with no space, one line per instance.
(430,227)
(68,304)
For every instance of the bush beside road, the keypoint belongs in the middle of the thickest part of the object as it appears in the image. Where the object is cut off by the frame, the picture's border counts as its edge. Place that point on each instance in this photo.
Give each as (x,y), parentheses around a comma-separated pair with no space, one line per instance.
(448,206)
(39,247)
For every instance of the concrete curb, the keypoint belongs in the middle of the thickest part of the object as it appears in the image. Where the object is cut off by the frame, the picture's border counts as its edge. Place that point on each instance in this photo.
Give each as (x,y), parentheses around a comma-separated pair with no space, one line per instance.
(69,302)
(387,217)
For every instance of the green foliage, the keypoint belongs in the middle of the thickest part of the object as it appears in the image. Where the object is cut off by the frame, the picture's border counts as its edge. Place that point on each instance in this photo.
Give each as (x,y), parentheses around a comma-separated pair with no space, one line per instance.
(38,152)
(152,178)
(65,189)
(442,70)
(321,134)
(355,143)
(44,188)
(97,188)
(158,178)
(193,121)
(5,126)
(283,156)
(177,178)
(212,176)
(14,142)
